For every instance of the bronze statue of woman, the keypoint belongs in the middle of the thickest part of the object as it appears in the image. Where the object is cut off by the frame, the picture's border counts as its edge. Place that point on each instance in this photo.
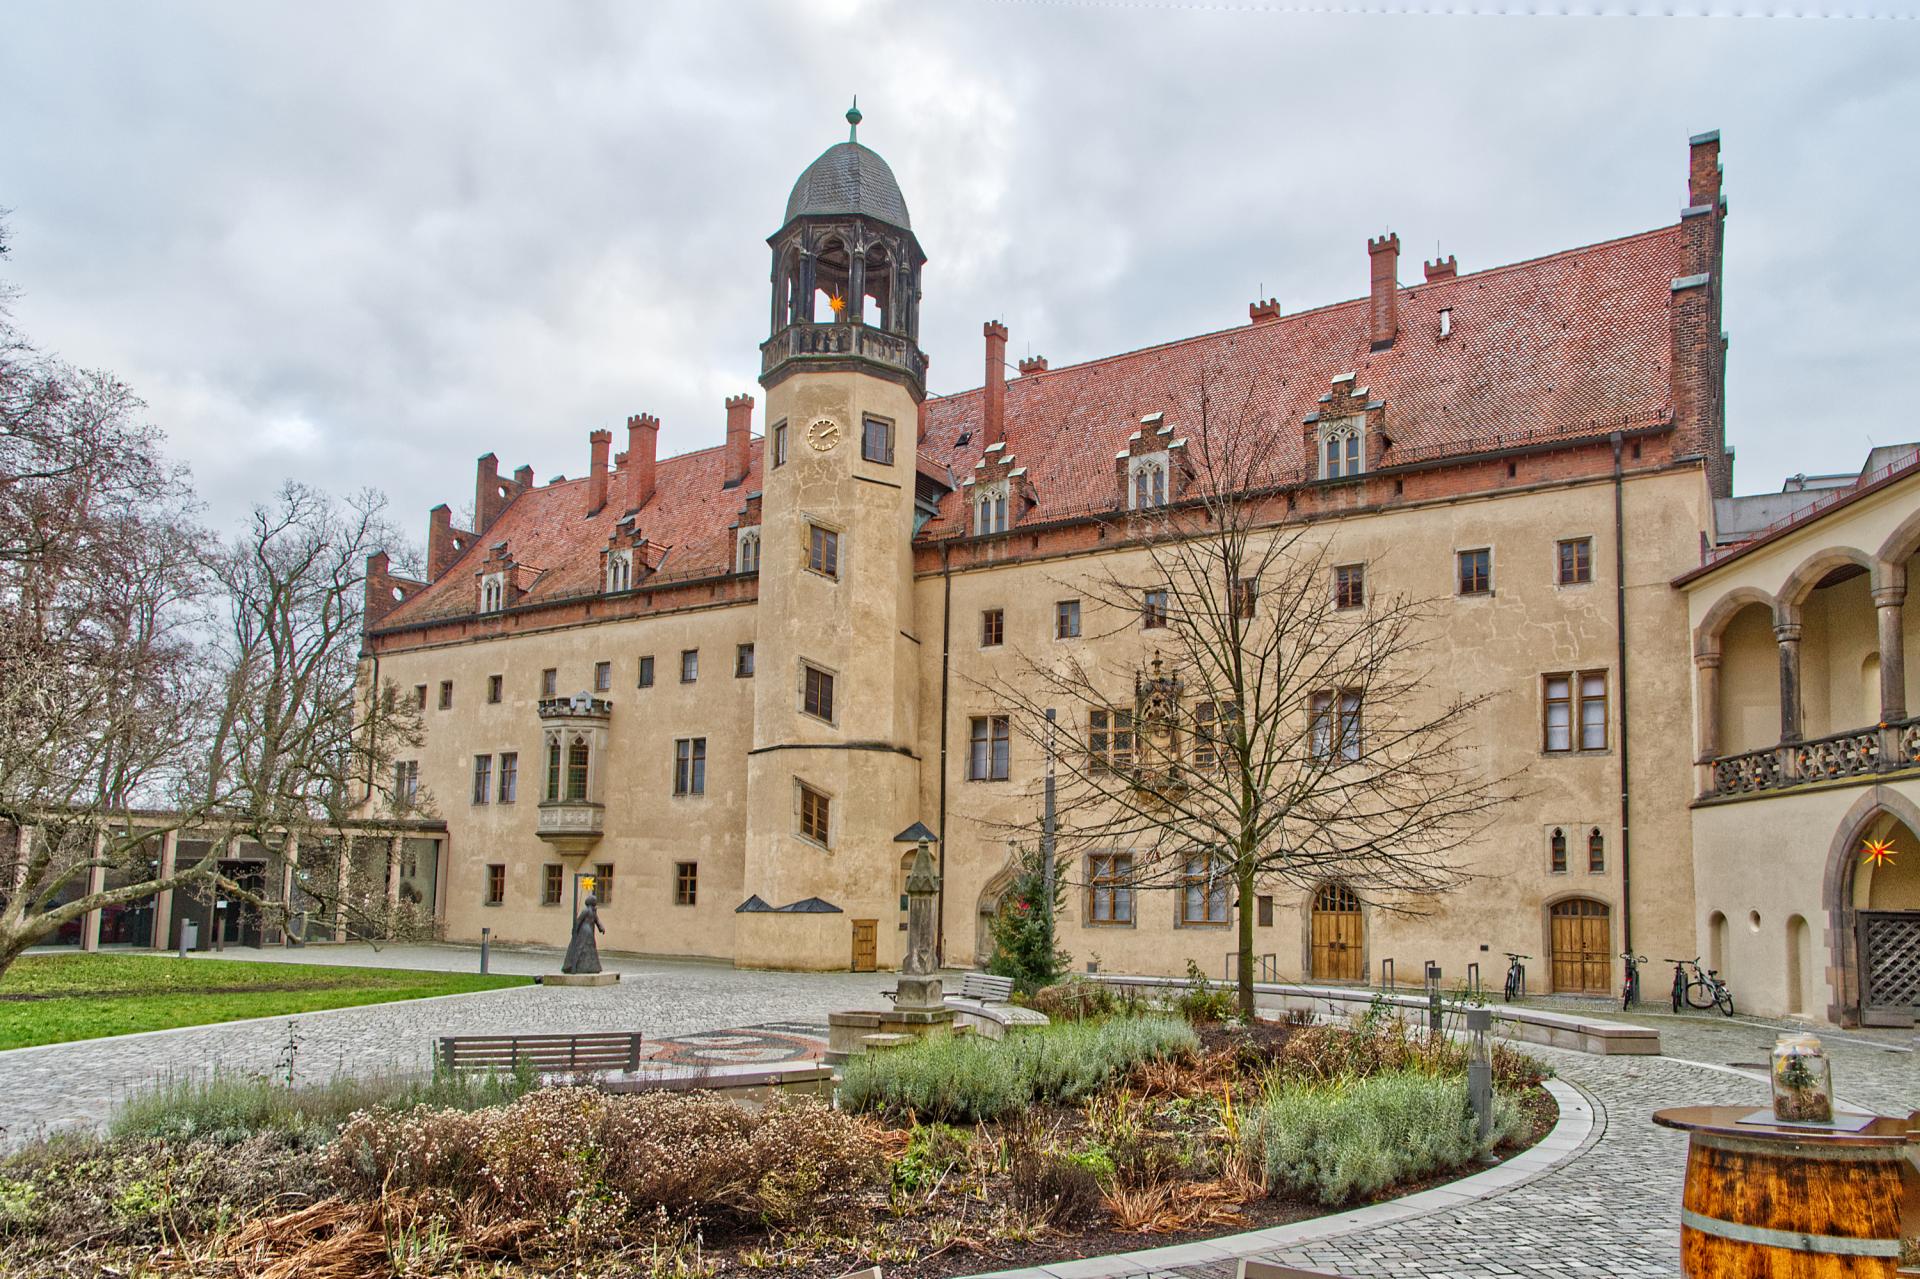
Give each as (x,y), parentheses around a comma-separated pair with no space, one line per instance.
(583,953)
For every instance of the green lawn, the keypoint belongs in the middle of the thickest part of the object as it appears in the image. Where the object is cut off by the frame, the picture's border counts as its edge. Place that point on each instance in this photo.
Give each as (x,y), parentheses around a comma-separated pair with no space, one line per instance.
(49,999)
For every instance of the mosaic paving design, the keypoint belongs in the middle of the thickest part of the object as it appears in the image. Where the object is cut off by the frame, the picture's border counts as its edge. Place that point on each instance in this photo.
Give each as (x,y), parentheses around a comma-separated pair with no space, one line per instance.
(770,1043)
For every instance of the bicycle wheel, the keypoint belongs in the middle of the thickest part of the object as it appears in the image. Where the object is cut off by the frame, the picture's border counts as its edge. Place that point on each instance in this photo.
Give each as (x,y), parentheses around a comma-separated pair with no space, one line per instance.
(1679,989)
(1700,995)
(1725,1000)
(1513,984)
(1629,991)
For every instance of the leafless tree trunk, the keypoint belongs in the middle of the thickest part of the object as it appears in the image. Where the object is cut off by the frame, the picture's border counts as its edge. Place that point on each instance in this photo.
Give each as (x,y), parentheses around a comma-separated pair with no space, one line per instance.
(1237,719)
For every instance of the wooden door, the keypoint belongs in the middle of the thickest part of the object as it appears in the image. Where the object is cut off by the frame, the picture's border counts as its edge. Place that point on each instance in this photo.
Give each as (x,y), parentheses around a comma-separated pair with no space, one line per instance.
(864,931)
(1339,937)
(1582,948)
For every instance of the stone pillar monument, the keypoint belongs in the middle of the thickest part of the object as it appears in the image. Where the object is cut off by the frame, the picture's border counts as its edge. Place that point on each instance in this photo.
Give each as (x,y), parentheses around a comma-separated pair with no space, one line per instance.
(918,988)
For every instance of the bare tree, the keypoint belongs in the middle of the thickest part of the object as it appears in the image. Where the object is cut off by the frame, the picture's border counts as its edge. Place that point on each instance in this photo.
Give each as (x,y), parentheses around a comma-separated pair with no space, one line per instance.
(1244,720)
(155,681)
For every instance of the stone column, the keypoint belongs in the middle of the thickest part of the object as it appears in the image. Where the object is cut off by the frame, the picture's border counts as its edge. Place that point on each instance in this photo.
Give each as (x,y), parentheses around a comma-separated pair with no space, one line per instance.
(1788,635)
(1707,673)
(1887,603)
(163,900)
(918,987)
(96,880)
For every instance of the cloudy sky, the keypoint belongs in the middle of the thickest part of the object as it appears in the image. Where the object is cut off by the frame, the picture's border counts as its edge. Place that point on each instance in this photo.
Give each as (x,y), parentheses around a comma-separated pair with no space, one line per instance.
(363,243)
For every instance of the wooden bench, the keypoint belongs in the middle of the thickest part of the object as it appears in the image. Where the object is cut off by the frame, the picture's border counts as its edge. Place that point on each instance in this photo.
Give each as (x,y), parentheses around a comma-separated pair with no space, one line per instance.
(545,1054)
(986,988)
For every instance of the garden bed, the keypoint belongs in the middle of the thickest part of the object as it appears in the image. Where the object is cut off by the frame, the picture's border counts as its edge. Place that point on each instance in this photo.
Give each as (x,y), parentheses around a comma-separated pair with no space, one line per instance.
(945,1158)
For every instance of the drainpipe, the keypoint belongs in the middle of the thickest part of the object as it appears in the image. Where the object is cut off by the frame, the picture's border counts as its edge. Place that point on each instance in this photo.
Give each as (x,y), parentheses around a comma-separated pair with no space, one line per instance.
(946,638)
(1620,658)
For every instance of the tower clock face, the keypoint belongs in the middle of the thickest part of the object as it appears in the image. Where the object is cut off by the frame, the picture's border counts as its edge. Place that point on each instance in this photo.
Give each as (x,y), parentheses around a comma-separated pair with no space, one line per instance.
(823,434)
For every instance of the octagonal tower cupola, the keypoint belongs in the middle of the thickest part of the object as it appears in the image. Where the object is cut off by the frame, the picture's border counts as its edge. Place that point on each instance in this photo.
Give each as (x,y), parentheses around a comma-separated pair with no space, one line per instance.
(846,272)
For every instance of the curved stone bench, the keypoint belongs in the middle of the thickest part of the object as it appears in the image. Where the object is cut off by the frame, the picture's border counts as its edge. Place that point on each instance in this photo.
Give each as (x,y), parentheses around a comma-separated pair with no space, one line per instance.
(992,1019)
(1529,1025)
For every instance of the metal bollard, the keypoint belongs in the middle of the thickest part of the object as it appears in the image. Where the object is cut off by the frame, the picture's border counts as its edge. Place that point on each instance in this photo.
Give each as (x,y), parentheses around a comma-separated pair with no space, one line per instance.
(1480,1069)
(485,944)
(1433,998)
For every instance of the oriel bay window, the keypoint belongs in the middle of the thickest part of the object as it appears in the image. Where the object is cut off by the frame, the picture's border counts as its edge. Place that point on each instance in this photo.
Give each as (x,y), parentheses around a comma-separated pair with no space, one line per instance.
(1574,711)
(1110,888)
(988,748)
(567,766)
(1203,892)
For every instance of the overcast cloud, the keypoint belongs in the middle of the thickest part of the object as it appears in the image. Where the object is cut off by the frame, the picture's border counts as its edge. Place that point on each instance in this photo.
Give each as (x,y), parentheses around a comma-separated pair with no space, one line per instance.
(363,243)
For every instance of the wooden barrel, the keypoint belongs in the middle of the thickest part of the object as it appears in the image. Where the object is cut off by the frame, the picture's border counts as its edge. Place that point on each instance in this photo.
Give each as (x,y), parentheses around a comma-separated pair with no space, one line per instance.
(1764,1201)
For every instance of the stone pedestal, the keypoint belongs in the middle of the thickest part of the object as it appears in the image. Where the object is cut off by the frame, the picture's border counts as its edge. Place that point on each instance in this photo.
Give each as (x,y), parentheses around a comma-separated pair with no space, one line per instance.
(848,1031)
(579,979)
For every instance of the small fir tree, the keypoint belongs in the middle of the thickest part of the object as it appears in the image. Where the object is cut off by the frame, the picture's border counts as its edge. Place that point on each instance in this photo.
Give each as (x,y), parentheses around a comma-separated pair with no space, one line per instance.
(1024,945)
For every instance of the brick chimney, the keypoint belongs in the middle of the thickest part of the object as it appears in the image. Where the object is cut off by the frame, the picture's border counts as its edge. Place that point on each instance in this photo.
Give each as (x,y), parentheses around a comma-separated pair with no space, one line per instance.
(1699,342)
(1383,311)
(598,442)
(643,439)
(440,552)
(1033,364)
(994,400)
(486,493)
(523,476)
(739,431)
(384,590)
(920,426)
(1261,312)
(1442,269)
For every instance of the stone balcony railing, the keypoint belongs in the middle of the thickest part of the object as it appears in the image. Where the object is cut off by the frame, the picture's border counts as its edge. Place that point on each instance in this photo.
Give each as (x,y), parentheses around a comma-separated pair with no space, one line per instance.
(1860,752)
(846,341)
(571,825)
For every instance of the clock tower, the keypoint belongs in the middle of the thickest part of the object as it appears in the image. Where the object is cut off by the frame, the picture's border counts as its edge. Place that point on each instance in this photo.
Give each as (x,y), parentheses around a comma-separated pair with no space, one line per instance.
(834,772)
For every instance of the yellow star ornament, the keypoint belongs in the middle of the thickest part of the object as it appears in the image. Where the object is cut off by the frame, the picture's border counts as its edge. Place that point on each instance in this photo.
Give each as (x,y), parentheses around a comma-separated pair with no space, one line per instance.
(586,883)
(1877,852)
(837,303)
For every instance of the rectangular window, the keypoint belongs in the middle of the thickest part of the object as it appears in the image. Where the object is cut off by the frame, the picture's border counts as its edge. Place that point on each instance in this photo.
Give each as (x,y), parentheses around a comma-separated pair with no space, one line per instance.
(1340,453)
(494,683)
(1264,905)
(1596,852)
(406,782)
(823,550)
(1575,557)
(1066,619)
(816,692)
(876,441)
(1350,586)
(420,696)
(988,758)
(509,776)
(1213,733)
(690,766)
(1203,892)
(496,883)
(993,628)
(814,813)
(552,879)
(1153,610)
(577,769)
(1557,851)
(1570,699)
(1475,571)
(1246,596)
(743,662)
(482,778)
(553,770)
(779,444)
(549,682)
(1110,738)
(446,694)
(602,676)
(603,882)
(646,671)
(689,665)
(1334,725)
(1110,888)
(686,883)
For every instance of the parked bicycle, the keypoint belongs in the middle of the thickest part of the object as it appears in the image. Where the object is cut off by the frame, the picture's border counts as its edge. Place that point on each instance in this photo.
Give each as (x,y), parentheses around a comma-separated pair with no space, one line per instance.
(1516,976)
(1701,988)
(1630,992)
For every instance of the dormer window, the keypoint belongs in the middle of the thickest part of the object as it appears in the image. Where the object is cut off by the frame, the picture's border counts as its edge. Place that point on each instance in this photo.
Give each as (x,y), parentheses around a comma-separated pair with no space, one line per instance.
(990,509)
(493,592)
(1340,455)
(1148,482)
(746,556)
(619,571)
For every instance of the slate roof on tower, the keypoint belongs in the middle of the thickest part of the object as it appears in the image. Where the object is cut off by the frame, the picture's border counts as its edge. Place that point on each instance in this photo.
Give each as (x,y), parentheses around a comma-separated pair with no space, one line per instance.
(849,178)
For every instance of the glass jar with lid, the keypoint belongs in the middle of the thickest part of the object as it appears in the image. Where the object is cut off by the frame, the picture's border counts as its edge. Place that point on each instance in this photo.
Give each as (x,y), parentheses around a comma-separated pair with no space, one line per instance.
(1802,1080)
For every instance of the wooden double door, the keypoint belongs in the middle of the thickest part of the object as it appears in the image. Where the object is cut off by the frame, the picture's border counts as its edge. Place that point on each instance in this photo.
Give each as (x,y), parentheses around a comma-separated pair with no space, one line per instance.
(1339,935)
(1582,940)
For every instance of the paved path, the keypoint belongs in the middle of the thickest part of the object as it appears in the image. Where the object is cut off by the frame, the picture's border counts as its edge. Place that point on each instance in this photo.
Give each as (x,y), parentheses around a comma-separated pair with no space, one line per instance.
(78,1083)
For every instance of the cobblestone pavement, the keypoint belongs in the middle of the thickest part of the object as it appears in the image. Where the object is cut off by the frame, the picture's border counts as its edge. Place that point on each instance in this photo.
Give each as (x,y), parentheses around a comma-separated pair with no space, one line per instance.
(79,1083)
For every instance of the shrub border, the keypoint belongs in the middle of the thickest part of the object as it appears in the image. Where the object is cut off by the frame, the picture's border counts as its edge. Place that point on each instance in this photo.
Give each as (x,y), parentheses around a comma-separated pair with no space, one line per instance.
(1580,1125)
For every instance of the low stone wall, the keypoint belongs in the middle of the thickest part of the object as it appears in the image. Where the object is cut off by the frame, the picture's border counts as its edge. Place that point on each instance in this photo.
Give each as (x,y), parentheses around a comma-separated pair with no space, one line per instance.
(1528,1025)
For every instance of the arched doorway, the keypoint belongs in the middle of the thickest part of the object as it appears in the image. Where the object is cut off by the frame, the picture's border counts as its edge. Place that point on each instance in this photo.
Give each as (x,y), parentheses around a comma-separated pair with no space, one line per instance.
(1581,938)
(1338,935)
(1886,904)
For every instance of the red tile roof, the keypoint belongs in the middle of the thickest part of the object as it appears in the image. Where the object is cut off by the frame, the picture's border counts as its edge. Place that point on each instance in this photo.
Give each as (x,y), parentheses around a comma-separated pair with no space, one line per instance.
(1560,347)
